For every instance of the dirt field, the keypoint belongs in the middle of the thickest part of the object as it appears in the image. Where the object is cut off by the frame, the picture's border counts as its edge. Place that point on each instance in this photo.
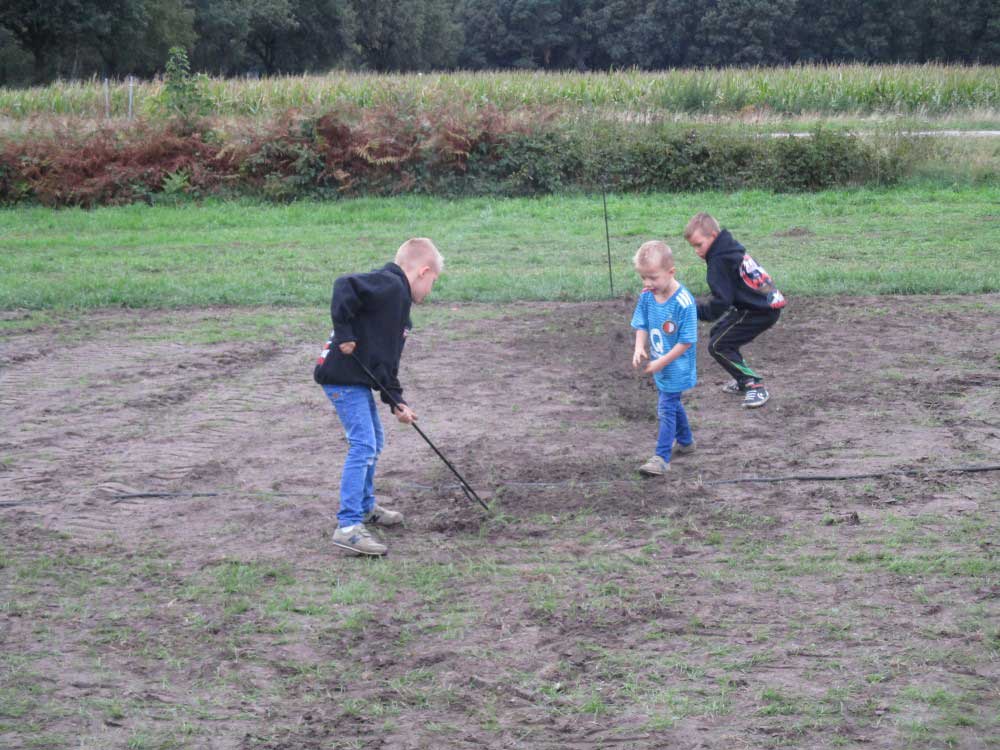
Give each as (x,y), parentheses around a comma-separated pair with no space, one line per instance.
(593,610)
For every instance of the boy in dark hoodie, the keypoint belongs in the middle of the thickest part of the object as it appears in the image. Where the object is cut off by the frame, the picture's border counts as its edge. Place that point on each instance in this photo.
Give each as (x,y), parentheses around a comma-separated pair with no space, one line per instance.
(743,294)
(371,317)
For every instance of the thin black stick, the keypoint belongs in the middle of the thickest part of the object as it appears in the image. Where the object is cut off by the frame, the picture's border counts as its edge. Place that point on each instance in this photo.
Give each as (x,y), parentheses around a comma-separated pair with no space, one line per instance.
(607,236)
(466,487)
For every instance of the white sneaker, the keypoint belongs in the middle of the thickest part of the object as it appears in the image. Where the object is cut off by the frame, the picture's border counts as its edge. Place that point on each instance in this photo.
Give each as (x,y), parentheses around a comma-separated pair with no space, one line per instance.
(654,467)
(380,516)
(683,450)
(359,540)
(732,387)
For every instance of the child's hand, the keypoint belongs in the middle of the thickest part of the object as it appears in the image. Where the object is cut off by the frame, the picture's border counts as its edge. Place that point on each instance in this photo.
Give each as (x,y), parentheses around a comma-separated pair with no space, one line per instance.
(655,366)
(638,356)
(405,414)
(348,347)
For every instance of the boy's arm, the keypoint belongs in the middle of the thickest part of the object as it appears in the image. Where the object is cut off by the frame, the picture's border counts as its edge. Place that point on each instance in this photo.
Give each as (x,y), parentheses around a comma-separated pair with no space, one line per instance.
(347,301)
(721,286)
(641,347)
(395,390)
(660,362)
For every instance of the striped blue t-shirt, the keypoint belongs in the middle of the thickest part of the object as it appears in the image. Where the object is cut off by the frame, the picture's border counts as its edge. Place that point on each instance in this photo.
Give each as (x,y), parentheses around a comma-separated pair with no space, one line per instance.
(668,323)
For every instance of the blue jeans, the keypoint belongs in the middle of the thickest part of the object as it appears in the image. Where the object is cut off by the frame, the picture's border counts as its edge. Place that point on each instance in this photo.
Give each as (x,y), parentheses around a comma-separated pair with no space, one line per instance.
(356,410)
(673,425)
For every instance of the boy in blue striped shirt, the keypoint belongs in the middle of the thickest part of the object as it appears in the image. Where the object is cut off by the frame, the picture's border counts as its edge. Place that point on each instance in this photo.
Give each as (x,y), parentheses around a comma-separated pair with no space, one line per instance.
(665,320)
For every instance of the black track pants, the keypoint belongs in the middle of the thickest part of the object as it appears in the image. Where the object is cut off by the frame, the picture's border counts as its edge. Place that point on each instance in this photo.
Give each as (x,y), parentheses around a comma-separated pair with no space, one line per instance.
(738,327)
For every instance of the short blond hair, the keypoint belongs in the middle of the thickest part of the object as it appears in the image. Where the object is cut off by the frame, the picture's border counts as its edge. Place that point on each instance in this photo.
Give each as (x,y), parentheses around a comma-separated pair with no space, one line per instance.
(417,252)
(654,253)
(703,223)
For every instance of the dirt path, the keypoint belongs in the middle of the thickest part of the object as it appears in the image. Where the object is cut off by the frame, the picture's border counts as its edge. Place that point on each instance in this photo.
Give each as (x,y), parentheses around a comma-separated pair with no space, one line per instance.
(594,610)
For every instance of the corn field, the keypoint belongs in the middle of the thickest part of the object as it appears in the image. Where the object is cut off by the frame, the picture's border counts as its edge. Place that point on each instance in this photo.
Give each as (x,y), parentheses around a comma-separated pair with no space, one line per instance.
(831,90)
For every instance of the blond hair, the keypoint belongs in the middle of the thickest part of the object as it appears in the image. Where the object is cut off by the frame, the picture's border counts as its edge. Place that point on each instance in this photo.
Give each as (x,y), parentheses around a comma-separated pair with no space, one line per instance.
(702,223)
(654,253)
(418,252)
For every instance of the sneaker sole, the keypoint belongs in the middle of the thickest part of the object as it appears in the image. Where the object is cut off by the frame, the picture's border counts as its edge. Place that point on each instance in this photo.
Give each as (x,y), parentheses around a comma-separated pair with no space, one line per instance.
(647,473)
(359,552)
(756,404)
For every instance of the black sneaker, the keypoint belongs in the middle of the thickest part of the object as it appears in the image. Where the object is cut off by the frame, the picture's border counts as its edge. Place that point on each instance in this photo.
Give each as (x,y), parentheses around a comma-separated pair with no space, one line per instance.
(755,397)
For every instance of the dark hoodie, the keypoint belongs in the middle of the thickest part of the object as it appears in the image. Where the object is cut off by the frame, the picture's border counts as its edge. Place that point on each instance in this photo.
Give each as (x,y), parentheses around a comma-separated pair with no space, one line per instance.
(373,310)
(736,280)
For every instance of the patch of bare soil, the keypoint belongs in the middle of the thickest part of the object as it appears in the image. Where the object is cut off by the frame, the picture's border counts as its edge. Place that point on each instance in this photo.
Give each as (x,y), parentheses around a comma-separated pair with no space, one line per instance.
(166,576)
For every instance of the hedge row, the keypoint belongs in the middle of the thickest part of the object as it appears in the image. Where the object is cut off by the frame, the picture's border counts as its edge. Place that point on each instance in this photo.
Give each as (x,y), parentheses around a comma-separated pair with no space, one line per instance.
(447,152)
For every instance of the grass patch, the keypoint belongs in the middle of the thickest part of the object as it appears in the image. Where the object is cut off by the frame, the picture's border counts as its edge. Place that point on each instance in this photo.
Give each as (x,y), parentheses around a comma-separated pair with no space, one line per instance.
(552,248)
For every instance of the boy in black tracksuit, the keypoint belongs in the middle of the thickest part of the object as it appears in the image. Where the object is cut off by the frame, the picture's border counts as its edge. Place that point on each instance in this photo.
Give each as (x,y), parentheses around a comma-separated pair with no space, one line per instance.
(371,316)
(743,294)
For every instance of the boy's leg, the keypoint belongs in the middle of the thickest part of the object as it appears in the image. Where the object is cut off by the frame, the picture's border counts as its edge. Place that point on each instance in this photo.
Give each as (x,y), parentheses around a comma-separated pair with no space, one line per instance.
(683,433)
(352,405)
(666,410)
(368,501)
(374,513)
(738,327)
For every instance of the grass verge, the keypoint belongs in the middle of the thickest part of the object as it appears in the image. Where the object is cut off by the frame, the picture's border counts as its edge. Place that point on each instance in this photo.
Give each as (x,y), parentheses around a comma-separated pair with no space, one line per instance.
(919,239)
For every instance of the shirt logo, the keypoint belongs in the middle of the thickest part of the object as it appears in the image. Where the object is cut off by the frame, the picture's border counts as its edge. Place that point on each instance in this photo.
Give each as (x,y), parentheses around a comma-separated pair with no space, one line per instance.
(669,327)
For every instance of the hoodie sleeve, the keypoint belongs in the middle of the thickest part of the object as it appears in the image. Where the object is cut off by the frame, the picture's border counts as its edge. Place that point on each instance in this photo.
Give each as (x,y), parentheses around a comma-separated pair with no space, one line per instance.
(348,299)
(721,285)
(395,390)
(392,379)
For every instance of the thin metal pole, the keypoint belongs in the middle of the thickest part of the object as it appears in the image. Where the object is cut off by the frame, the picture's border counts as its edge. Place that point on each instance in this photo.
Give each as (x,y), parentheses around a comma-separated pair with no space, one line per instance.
(466,487)
(607,236)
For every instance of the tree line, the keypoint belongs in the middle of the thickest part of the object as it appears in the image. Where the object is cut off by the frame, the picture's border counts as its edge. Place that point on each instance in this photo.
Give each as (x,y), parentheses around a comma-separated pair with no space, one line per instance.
(42,40)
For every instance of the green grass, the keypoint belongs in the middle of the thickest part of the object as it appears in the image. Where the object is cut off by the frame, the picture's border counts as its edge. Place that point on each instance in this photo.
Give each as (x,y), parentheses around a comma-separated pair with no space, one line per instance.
(919,239)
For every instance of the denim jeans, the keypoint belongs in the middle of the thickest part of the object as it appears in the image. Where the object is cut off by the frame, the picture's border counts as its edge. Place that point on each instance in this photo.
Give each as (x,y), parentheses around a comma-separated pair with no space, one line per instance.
(356,410)
(673,425)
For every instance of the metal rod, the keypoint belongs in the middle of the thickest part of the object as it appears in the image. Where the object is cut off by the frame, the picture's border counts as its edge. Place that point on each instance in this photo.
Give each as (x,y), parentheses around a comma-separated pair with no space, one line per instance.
(607,236)
(466,487)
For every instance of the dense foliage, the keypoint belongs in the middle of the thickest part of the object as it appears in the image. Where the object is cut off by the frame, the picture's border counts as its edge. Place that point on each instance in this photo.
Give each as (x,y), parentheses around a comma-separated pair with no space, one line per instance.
(41,41)
(453,150)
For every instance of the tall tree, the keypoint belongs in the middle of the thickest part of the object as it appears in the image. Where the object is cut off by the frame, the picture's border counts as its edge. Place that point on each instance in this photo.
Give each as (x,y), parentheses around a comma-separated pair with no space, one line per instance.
(607,29)
(45,28)
(667,33)
(745,32)
(325,34)
(548,34)
(407,34)
(962,36)
(222,29)
(133,36)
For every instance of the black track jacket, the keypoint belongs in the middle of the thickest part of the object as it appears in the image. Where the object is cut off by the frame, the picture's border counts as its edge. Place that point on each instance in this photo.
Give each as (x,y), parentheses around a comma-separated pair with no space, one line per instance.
(730,277)
(373,310)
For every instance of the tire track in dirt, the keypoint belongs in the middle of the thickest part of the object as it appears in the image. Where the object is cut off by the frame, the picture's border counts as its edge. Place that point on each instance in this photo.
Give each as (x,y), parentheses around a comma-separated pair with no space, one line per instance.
(202,430)
(159,415)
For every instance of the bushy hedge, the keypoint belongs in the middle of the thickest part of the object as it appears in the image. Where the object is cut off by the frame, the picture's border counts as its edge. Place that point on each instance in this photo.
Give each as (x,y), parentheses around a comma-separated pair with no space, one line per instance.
(449,151)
